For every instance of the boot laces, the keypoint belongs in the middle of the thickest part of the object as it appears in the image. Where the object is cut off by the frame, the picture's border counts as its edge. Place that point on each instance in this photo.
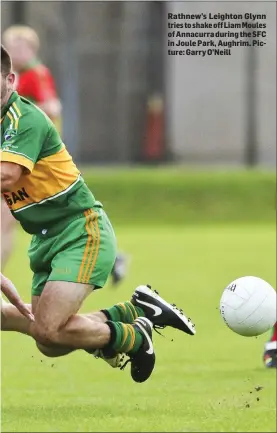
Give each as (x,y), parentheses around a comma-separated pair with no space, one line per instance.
(122,367)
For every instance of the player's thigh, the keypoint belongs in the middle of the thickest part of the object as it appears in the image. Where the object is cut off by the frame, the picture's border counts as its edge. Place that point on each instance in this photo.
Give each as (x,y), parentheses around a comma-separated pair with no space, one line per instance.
(57,303)
(35,300)
(38,284)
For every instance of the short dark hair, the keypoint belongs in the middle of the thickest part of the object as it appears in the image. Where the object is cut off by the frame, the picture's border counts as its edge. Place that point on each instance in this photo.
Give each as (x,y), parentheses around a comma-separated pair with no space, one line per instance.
(6,63)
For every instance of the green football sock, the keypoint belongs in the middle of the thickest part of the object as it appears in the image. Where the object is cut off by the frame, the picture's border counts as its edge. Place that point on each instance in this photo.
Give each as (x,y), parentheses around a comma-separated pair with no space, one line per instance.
(124,338)
(124,312)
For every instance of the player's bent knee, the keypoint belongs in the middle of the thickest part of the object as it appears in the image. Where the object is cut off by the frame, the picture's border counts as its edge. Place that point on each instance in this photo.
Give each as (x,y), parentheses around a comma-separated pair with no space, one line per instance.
(45,350)
(50,352)
(44,336)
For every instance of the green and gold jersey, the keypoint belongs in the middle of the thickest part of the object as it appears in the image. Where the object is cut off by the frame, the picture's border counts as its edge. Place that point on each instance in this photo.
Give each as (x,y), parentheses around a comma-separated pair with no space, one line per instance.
(51,188)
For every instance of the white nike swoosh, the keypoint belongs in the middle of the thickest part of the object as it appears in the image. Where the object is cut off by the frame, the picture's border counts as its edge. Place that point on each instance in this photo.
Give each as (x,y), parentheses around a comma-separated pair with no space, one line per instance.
(150,351)
(157,310)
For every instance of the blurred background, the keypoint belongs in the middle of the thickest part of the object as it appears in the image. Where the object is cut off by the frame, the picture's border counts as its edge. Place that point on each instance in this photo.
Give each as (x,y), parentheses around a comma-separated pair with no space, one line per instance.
(125,101)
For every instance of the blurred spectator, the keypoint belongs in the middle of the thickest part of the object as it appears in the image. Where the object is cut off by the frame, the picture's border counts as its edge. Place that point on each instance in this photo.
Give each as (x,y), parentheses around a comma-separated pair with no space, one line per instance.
(34,80)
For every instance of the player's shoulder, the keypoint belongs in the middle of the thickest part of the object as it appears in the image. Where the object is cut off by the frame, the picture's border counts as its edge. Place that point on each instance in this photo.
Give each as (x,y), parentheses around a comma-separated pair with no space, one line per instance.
(38,72)
(26,107)
(42,71)
(28,113)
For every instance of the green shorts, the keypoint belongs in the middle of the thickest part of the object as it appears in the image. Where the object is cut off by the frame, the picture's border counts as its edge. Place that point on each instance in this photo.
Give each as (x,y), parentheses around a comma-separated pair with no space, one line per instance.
(82,252)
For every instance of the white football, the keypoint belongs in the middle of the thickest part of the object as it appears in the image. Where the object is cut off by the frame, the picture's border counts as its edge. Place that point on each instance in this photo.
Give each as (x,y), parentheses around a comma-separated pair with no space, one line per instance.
(248,306)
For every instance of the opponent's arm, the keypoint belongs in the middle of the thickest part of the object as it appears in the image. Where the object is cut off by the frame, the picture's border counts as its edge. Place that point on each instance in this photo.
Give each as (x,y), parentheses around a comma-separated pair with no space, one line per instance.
(10,292)
(10,174)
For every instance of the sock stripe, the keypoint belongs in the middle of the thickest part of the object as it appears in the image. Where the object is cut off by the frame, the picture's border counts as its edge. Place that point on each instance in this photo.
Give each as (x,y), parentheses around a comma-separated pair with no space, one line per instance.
(125,334)
(124,338)
(132,335)
(133,310)
(124,312)
(130,313)
(122,305)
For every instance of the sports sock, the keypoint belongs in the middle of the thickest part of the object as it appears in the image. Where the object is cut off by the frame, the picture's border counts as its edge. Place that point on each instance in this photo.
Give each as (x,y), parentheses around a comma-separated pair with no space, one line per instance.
(124,338)
(274,333)
(271,344)
(124,312)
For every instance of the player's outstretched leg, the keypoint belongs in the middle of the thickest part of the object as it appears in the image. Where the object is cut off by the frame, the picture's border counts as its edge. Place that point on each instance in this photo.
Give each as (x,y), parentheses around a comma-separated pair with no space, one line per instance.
(13,320)
(148,303)
(270,353)
(57,324)
(145,303)
(134,340)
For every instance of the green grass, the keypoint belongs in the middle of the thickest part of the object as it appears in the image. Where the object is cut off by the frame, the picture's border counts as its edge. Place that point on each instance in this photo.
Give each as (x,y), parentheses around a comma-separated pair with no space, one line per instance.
(178,195)
(200,384)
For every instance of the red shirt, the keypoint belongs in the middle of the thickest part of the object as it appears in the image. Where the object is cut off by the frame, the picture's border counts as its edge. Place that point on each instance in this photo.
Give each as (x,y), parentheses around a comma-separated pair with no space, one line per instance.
(36,83)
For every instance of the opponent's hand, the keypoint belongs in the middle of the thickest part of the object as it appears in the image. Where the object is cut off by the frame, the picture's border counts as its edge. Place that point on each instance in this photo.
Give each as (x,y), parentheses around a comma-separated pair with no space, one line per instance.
(10,292)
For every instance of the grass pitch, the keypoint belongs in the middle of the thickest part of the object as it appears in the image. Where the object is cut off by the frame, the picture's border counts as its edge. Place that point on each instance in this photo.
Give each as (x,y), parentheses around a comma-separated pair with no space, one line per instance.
(214,381)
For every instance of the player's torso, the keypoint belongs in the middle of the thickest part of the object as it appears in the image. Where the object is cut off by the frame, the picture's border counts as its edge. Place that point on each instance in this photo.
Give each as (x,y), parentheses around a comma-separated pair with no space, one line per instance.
(54,188)
(51,175)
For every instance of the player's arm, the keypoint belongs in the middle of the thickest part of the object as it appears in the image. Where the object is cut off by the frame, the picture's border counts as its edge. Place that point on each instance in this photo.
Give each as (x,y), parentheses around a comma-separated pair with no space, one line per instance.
(10,174)
(21,148)
(12,295)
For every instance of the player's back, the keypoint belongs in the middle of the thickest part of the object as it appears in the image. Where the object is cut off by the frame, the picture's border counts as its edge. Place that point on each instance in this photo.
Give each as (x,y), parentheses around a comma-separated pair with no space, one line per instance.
(51,191)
